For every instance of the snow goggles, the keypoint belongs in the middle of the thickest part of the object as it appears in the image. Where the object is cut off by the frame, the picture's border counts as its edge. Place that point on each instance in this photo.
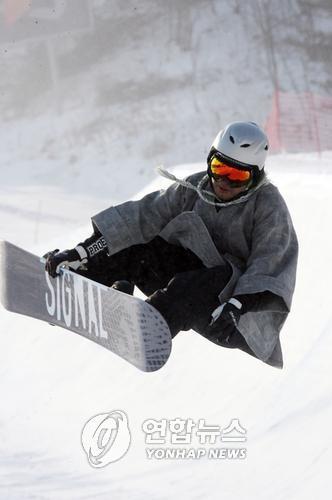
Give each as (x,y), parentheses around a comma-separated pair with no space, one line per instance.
(234,176)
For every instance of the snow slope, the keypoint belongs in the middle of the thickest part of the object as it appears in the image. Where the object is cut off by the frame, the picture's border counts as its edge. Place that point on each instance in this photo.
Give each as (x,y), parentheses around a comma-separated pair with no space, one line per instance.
(52,382)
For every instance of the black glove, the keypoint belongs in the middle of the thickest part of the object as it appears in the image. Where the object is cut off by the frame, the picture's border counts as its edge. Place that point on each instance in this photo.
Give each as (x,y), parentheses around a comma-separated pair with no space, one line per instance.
(75,259)
(225,320)
(78,257)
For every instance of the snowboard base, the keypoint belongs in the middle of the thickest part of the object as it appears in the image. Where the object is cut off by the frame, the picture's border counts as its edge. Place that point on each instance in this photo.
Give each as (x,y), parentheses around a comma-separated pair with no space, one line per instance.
(123,324)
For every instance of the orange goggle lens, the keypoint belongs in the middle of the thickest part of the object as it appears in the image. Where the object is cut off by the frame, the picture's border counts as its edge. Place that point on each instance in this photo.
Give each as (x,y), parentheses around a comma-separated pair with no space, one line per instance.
(234,174)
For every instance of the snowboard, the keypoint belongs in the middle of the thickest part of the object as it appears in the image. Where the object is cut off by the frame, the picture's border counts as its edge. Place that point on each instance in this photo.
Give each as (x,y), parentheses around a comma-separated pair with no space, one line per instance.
(126,325)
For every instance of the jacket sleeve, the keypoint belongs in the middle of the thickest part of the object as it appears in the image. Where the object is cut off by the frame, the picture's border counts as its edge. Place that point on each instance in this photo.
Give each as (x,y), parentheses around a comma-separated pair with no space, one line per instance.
(274,250)
(135,222)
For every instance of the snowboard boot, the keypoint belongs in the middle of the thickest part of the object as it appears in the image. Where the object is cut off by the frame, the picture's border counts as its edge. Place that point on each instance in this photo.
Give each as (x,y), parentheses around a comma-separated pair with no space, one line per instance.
(124,286)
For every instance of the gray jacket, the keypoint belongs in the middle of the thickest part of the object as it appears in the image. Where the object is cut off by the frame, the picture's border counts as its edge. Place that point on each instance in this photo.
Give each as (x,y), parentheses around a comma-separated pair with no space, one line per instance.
(254,234)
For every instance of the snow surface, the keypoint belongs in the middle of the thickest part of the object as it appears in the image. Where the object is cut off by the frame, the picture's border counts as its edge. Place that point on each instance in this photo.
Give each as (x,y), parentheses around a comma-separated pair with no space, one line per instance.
(52,381)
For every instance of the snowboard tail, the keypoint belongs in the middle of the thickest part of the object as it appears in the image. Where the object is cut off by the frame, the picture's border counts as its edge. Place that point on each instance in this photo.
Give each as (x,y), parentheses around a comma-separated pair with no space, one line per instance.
(123,324)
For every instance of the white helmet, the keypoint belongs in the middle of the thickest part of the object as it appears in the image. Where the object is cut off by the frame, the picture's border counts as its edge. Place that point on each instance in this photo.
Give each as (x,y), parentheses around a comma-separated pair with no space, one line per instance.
(242,142)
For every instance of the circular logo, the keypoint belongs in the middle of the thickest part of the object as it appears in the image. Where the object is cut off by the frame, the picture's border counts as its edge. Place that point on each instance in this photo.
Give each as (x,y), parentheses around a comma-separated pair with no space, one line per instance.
(106,438)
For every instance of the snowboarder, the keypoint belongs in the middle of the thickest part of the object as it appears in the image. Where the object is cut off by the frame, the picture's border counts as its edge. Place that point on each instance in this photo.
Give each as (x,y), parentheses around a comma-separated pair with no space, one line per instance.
(216,252)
